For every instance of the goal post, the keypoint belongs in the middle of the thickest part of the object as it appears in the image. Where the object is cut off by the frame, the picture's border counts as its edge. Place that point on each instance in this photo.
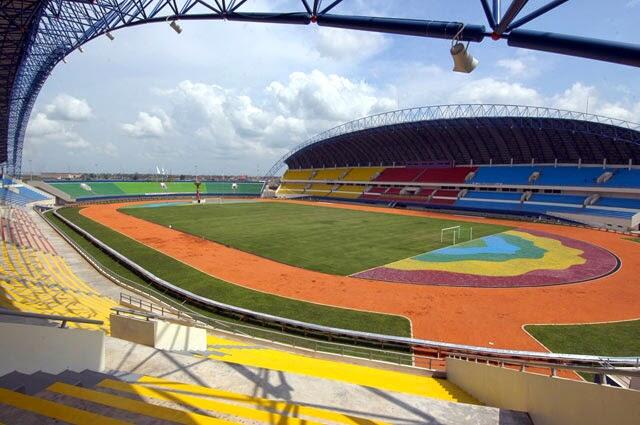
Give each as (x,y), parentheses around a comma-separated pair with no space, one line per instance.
(456,232)
(453,229)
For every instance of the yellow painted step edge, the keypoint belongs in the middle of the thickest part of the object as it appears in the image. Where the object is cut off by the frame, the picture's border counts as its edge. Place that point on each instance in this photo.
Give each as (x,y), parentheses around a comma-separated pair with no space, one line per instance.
(54,410)
(135,406)
(263,402)
(204,403)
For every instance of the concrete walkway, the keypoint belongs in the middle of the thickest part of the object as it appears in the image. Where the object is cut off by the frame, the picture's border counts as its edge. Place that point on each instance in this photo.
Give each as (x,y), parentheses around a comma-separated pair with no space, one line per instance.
(127,357)
(78,264)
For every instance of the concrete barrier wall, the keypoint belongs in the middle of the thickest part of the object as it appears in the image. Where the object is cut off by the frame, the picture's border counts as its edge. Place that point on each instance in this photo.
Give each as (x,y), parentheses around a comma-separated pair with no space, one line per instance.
(549,401)
(172,336)
(160,334)
(140,331)
(30,348)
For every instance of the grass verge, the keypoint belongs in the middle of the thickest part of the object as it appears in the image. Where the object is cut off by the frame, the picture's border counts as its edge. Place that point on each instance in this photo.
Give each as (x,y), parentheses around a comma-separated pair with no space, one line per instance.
(605,339)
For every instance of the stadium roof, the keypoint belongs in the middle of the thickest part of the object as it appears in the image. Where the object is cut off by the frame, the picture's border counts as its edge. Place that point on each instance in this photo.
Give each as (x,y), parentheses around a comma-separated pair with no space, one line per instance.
(37,35)
(463,133)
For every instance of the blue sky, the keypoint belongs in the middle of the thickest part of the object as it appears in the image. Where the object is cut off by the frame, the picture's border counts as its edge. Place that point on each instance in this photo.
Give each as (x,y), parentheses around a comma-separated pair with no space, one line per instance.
(229,97)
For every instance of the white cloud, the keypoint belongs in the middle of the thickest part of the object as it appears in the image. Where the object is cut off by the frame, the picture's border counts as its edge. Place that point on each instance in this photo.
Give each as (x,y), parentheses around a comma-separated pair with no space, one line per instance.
(43,131)
(342,44)
(513,66)
(68,108)
(147,125)
(321,97)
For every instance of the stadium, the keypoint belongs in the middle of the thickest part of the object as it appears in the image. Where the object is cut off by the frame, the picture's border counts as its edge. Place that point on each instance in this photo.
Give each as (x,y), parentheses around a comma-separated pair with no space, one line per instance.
(454,263)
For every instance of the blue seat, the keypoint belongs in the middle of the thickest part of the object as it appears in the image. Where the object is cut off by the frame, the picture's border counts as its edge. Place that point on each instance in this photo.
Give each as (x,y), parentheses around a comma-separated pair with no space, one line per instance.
(623,177)
(618,202)
(507,196)
(569,176)
(557,199)
(504,174)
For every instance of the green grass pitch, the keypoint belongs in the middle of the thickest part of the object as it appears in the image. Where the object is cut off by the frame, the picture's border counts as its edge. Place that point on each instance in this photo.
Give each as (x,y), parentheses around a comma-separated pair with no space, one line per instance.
(325,239)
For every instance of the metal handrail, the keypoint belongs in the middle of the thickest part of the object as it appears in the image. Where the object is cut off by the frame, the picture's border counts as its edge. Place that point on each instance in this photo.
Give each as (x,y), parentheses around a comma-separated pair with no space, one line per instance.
(443,348)
(62,319)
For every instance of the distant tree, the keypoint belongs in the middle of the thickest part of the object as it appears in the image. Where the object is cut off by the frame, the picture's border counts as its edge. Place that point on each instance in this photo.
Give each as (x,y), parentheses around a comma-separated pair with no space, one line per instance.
(135,176)
(181,176)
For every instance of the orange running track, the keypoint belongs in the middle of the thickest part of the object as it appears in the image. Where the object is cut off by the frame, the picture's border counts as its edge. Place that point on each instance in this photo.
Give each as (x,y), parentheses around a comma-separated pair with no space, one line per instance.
(477,316)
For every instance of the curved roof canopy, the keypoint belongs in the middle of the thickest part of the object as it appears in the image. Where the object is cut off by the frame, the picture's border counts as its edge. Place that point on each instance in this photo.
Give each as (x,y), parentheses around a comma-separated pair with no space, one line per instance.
(471,133)
(37,34)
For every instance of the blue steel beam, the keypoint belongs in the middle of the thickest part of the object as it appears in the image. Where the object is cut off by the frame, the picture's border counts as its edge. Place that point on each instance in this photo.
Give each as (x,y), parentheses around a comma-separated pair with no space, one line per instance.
(610,51)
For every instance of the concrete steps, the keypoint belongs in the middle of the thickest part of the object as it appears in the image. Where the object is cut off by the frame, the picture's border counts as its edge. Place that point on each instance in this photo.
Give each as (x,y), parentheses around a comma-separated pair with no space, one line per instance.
(90,397)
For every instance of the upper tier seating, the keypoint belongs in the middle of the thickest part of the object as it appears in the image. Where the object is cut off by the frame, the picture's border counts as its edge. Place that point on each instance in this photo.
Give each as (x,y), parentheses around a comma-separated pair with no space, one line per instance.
(297,175)
(623,177)
(618,202)
(557,199)
(569,176)
(330,173)
(445,175)
(505,196)
(401,174)
(503,175)
(362,174)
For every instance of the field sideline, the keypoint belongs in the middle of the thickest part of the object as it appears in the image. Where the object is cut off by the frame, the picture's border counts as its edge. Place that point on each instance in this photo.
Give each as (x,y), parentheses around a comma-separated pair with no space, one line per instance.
(461,315)
(323,239)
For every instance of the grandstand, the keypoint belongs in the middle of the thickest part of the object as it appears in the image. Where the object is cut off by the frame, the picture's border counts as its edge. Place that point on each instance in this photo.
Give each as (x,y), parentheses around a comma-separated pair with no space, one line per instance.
(493,170)
(87,190)
(34,278)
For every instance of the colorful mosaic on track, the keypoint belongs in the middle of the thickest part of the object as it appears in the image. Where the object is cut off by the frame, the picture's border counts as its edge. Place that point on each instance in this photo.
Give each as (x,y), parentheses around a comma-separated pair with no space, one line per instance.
(514,258)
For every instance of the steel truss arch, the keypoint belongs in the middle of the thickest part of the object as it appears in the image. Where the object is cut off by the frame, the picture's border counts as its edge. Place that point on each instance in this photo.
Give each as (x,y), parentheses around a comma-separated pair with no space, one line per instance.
(527,116)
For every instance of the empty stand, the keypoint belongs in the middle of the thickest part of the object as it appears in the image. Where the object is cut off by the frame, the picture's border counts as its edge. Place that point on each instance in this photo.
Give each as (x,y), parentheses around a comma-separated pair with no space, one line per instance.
(445,175)
(569,176)
(623,177)
(330,174)
(517,175)
(34,279)
(558,199)
(362,174)
(297,174)
(401,174)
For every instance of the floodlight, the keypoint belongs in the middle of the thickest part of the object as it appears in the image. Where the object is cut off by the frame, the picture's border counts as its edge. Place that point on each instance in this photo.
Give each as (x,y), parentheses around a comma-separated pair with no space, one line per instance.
(463,61)
(80,48)
(176,26)
(110,36)
(64,60)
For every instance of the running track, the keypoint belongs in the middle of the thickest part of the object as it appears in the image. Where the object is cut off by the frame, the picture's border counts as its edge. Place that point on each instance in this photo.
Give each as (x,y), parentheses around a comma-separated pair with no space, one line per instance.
(486,317)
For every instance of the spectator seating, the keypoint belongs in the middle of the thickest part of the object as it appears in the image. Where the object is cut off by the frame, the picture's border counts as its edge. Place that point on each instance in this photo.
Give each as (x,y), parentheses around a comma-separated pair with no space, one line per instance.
(319,189)
(330,173)
(400,174)
(569,176)
(348,191)
(623,177)
(558,199)
(516,175)
(445,175)
(20,195)
(297,174)
(39,281)
(618,202)
(503,196)
(291,188)
(362,174)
